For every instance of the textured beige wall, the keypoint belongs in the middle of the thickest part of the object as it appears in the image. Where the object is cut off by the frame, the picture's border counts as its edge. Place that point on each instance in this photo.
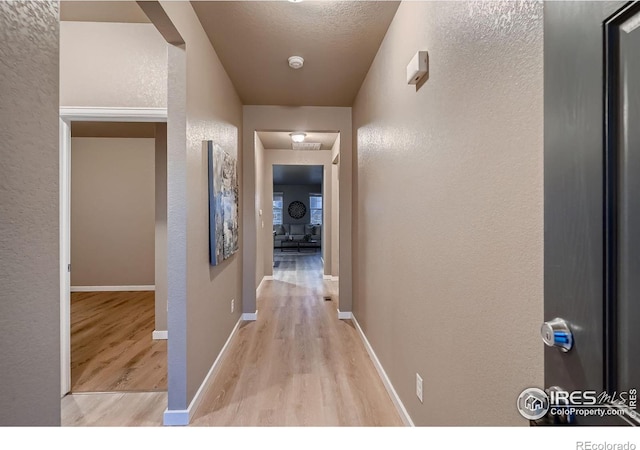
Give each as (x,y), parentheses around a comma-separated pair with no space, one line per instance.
(29,231)
(449,209)
(113,129)
(311,118)
(102,11)
(211,110)
(176,222)
(112,211)
(263,203)
(335,209)
(112,64)
(161,227)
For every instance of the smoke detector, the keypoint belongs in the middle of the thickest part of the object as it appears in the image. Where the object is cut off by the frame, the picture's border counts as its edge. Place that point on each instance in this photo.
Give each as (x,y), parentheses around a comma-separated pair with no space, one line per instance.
(296,62)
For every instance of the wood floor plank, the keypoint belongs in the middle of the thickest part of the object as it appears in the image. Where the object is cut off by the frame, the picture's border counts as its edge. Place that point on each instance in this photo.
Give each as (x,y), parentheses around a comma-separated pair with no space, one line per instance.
(297,365)
(112,349)
(114,409)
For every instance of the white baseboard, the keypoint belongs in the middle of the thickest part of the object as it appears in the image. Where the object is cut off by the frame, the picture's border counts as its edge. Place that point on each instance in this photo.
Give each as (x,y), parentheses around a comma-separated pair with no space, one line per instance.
(327,277)
(181,417)
(335,278)
(176,417)
(404,415)
(159,335)
(250,316)
(344,315)
(264,278)
(112,288)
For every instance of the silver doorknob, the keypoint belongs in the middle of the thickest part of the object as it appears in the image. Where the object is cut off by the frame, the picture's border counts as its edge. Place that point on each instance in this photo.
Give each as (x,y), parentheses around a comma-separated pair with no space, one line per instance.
(556,333)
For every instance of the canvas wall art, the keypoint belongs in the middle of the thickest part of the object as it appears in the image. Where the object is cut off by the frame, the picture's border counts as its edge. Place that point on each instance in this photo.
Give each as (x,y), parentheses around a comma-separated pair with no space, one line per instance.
(223,204)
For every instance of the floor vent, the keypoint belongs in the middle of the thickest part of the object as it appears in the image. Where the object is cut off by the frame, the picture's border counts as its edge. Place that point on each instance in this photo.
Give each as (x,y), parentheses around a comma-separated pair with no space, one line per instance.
(327,299)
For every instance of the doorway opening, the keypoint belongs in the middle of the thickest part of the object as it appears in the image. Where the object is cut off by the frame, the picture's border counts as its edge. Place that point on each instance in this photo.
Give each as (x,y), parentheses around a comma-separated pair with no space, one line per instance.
(113,223)
(297,220)
(298,212)
(113,236)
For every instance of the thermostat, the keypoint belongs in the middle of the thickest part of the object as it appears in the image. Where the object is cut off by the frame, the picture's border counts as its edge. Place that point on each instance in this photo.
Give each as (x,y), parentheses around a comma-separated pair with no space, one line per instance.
(418,67)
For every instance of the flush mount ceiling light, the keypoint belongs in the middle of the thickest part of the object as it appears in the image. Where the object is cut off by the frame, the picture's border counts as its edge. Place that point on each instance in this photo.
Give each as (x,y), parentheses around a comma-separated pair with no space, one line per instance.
(295,1)
(296,62)
(298,136)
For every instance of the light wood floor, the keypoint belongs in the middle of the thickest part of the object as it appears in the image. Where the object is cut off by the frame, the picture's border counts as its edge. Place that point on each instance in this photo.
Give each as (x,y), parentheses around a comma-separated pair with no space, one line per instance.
(297,365)
(111,345)
(114,409)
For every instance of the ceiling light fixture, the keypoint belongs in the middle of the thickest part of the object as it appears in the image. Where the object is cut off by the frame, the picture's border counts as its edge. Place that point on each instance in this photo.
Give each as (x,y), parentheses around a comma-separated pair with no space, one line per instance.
(296,62)
(295,1)
(298,136)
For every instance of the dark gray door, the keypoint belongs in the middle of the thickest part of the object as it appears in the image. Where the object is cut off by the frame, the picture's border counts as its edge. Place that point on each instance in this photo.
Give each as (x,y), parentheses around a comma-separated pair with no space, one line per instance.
(592,196)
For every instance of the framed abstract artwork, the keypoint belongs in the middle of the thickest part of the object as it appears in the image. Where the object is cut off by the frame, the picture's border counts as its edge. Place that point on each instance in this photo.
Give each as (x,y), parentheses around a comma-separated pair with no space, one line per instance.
(223,204)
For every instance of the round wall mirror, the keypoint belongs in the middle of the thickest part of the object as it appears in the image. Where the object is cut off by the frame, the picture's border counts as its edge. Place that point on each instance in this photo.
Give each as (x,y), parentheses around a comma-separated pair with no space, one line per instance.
(297,210)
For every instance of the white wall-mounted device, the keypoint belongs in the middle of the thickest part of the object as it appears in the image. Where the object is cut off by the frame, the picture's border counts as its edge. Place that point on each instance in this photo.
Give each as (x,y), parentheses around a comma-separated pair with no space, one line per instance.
(418,67)
(296,62)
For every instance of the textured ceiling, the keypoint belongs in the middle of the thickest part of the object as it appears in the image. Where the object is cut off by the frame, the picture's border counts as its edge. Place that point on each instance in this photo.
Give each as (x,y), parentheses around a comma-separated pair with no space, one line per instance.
(289,174)
(337,39)
(100,11)
(280,140)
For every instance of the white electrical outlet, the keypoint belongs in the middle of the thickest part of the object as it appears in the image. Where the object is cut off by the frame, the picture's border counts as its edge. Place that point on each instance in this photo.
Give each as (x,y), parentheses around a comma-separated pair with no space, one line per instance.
(419,386)
(233,304)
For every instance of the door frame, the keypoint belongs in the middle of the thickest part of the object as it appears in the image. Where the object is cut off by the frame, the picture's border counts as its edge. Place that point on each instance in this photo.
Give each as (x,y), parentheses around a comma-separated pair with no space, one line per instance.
(68,115)
(327,213)
(611,179)
(611,194)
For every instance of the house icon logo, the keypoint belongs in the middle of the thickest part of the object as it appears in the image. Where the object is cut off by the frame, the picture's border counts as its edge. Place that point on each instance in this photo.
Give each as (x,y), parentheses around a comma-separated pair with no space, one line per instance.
(533,403)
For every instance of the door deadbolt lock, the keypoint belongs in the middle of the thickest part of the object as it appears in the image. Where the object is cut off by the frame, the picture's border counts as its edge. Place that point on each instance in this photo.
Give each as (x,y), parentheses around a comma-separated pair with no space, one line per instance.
(556,333)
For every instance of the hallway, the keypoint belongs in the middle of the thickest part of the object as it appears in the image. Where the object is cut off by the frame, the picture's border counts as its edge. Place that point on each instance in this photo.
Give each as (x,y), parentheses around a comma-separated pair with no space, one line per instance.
(433,203)
(297,365)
